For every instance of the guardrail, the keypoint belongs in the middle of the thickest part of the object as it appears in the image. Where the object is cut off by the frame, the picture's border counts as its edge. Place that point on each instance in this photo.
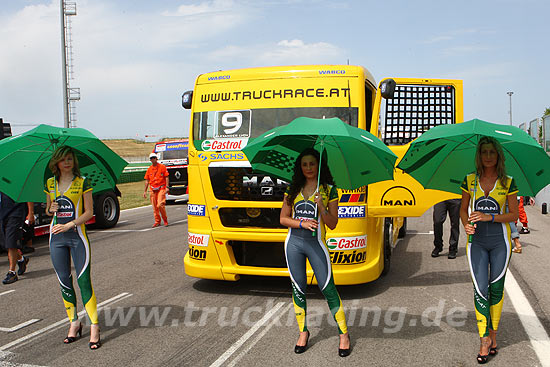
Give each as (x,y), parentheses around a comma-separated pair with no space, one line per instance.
(134,172)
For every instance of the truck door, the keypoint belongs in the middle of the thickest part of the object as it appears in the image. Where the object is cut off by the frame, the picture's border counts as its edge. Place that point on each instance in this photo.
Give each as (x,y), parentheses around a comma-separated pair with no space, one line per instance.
(408,108)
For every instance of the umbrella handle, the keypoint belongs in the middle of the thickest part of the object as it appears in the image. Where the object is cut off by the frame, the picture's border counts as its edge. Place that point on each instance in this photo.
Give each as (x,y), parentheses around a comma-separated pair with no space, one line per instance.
(314,232)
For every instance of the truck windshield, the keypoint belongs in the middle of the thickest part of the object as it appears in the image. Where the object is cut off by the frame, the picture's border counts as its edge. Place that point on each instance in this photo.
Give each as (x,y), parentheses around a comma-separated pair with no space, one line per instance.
(254,122)
(174,154)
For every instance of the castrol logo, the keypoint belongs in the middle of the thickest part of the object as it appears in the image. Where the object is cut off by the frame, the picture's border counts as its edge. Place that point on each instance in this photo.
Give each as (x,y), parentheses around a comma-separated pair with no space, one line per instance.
(347,243)
(195,239)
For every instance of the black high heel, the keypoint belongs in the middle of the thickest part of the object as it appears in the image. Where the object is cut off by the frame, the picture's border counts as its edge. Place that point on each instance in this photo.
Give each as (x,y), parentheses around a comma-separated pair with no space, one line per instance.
(493,351)
(72,339)
(301,348)
(345,352)
(482,359)
(97,344)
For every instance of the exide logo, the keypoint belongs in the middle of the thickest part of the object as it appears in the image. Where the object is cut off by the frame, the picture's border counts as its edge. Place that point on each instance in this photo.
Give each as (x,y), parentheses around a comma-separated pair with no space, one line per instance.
(198,239)
(351,211)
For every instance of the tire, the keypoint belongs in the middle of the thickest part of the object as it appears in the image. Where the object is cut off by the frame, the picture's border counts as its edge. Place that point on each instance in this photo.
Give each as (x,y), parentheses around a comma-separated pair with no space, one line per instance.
(403,229)
(106,210)
(387,245)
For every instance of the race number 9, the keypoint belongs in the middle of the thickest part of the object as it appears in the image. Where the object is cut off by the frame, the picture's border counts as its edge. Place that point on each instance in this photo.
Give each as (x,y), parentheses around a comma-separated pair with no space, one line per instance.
(233,121)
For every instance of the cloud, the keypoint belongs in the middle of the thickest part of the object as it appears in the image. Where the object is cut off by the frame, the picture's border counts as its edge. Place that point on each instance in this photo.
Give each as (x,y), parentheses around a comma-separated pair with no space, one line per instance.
(202,8)
(298,52)
(464,49)
(484,74)
(285,52)
(452,35)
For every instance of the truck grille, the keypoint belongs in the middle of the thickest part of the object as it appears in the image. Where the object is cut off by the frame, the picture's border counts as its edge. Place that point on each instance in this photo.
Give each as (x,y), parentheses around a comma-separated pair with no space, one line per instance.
(264,254)
(242,184)
(259,217)
(177,176)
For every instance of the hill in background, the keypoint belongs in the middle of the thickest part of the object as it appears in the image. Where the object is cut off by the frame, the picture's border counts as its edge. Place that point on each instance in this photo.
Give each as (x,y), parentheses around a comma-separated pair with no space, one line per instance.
(130,148)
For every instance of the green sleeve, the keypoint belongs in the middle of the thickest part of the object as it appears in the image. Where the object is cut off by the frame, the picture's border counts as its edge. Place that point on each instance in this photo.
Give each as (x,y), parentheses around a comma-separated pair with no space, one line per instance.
(86,185)
(333,195)
(464,185)
(513,188)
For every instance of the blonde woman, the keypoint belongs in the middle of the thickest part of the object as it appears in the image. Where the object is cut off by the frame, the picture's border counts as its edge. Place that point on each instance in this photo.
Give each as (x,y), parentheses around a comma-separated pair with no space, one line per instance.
(69,200)
(488,190)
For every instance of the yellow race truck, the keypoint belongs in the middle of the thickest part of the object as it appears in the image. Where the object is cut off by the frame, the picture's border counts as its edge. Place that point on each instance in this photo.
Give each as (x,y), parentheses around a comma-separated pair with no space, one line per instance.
(233,211)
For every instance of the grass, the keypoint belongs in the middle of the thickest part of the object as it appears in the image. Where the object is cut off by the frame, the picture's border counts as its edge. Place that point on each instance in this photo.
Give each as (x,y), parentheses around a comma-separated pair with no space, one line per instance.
(132,195)
(127,148)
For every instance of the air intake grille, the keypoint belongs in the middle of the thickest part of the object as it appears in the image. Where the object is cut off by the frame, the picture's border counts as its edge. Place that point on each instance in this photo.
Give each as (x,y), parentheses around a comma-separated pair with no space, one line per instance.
(416,109)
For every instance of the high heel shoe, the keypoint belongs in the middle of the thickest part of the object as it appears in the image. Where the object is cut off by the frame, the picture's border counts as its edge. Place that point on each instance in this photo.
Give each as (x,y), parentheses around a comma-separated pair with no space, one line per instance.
(301,348)
(493,351)
(71,339)
(482,359)
(97,344)
(517,250)
(345,352)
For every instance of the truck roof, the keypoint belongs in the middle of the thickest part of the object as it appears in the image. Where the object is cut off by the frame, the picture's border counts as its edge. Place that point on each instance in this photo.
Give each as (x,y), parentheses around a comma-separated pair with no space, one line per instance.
(277,72)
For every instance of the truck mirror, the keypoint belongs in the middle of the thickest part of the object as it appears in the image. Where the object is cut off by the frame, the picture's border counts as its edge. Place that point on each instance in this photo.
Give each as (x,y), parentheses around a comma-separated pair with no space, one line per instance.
(186,99)
(387,88)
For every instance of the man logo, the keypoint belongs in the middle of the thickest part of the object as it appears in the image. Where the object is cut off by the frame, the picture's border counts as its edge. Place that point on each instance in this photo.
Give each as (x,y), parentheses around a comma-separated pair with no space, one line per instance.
(332,243)
(487,205)
(398,196)
(267,190)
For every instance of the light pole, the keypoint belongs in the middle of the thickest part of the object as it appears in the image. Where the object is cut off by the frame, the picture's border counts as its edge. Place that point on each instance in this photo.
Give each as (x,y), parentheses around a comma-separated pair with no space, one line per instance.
(510,94)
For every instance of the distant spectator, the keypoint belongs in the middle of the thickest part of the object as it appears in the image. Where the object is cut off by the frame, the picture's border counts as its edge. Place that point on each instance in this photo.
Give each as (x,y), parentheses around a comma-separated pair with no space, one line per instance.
(12,217)
(451,206)
(523,216)
(157,177)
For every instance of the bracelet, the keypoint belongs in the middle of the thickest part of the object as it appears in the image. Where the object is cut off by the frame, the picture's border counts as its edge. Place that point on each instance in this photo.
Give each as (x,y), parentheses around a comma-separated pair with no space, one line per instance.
(301,220)
(493,218)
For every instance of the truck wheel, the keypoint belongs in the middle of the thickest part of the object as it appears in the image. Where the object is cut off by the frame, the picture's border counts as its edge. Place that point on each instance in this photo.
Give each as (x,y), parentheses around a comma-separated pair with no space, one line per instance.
(106,210)
(387,245)
(403,229)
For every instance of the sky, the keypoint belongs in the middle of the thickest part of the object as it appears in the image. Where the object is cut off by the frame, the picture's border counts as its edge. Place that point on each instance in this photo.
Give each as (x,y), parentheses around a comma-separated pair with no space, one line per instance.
(134,59)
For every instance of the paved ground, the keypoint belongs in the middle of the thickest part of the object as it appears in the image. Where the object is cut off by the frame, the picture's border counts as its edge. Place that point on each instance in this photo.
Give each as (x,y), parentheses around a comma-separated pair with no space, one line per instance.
(421,314)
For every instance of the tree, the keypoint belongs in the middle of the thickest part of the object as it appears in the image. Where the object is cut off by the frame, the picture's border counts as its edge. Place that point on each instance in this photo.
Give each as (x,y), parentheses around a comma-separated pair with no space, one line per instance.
(546,111)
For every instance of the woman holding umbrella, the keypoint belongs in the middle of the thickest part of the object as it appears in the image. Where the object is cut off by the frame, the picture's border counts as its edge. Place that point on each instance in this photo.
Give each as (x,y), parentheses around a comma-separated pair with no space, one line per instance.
(312,191)
(69,200)
(487,191)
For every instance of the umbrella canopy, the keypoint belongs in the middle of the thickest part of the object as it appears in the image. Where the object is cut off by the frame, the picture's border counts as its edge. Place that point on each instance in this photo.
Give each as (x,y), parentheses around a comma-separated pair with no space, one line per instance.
(355,157)
(24,161)
(441,157)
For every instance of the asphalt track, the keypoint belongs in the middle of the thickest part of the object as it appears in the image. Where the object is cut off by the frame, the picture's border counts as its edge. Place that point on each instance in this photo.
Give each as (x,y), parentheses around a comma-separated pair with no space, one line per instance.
(421,314)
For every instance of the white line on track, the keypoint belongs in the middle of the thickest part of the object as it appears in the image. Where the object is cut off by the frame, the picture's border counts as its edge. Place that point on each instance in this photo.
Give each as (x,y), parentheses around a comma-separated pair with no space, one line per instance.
(6,292)
(250,344)
(27,338)
(533,327)
(220,361)
(413,232)
(20,326)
